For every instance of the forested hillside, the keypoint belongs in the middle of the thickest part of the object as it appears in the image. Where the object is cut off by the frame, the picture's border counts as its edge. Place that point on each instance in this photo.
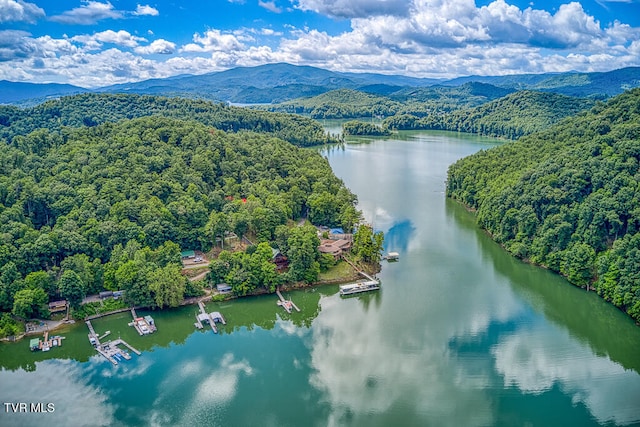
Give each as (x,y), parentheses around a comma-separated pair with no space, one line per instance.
(110,206)
(351,103)
(341,104)
(93,109)
(567,198)
(511,117)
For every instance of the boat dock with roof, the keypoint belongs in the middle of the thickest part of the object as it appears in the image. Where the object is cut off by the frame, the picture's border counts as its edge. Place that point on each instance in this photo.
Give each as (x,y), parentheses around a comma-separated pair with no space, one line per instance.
(210,318)
(144,325)
(45,344)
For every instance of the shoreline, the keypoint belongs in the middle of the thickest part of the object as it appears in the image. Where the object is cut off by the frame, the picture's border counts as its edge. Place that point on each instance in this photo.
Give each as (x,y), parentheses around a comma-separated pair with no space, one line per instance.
(52,325)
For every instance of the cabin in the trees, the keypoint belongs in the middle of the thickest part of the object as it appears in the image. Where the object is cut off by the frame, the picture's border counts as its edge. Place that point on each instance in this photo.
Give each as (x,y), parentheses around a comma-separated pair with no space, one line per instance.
(279,259)
(57,306)
(334,247)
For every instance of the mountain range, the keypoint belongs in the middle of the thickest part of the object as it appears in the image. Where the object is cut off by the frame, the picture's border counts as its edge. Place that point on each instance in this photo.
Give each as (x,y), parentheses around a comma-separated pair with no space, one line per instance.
(273,83)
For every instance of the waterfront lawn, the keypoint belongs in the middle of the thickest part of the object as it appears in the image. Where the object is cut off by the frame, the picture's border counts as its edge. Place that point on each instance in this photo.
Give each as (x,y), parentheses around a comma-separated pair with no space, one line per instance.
(341,270)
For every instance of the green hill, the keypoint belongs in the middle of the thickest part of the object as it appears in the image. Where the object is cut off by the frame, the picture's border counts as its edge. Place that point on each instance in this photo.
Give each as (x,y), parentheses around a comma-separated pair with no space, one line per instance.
(567,198)
(94,109)
(110,206)
(512,116)
(340,104)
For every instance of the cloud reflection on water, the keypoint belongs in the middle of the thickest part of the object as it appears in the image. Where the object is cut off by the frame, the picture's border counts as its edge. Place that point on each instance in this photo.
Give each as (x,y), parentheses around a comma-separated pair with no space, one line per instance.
(536,360)
(63,383)
(212,390)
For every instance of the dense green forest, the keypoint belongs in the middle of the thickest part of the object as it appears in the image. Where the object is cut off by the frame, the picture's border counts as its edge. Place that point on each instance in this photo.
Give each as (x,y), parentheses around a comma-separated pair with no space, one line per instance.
(111,206)
(93,109)
(511,117)
(472,107)
(351,103)
(341,104)
(567,198)
(357,127)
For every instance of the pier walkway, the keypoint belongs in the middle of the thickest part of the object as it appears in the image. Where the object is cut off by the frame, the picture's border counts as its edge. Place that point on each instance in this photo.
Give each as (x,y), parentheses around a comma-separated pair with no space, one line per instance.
(360,272)
(110,350)
(286,304)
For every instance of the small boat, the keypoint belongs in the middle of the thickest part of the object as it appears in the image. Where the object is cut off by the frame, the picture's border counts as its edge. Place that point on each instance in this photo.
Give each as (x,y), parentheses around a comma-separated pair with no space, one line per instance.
(393,256)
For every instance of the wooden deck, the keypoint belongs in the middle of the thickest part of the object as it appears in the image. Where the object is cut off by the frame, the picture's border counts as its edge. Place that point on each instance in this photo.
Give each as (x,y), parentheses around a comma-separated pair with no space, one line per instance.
(286,304)
(110,350)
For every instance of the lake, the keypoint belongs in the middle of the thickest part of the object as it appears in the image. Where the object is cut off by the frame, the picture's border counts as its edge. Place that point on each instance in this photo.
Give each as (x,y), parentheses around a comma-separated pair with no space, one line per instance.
(461,334)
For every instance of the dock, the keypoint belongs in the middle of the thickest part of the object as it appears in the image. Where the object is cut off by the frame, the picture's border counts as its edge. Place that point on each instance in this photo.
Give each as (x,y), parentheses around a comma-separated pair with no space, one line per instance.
(143,325)
(286,304)
(391,256)
(46,343)
(371,284)
(110,350)
(210,318)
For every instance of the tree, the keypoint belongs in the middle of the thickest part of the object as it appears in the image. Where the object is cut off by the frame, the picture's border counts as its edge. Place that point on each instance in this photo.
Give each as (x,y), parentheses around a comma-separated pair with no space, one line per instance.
(168,286)
(303,253)
(41,280)
(368,245)
(28,303)
(72,288)
(217,225)
(132,277)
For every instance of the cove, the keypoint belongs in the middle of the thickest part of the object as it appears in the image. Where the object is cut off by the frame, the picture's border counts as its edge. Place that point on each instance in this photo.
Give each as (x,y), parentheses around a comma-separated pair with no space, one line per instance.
(461,333)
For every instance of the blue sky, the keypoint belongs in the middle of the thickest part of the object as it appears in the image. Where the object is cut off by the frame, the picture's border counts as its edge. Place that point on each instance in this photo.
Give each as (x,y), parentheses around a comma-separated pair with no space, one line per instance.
(97,43)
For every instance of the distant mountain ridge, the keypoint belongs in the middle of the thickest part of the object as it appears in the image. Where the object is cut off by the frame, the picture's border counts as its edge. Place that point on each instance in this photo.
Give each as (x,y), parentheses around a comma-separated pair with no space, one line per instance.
(282,82)
(14,92)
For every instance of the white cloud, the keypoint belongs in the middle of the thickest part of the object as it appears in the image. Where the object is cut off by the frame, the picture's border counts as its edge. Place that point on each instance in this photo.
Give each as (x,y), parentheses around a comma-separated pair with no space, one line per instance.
(146,10)
(355,8)
(215,41)
(16,44)
(270,6)
(159,46)
(120,38)
(88,14)
(19,11)
(434,38)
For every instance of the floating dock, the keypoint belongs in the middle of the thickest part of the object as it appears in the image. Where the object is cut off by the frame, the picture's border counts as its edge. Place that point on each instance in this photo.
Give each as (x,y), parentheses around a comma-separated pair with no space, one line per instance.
(371,284)
(45,344)
(110,350)
(286,304)
(144,325)
(210,318)
(392,256)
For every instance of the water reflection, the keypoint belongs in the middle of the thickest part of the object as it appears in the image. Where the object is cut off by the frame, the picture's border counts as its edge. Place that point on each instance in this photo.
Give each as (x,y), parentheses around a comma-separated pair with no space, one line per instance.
(536,360)
(65,384)
(398,236)
(209,391)
(536,356)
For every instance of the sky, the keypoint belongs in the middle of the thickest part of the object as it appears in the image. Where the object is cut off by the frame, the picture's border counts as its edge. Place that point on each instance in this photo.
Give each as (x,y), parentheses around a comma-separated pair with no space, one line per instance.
(98,43)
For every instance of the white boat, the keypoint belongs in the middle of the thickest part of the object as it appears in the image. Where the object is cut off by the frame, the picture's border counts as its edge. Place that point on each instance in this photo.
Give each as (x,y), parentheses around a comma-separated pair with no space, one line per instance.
(393,256)
(355,288)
